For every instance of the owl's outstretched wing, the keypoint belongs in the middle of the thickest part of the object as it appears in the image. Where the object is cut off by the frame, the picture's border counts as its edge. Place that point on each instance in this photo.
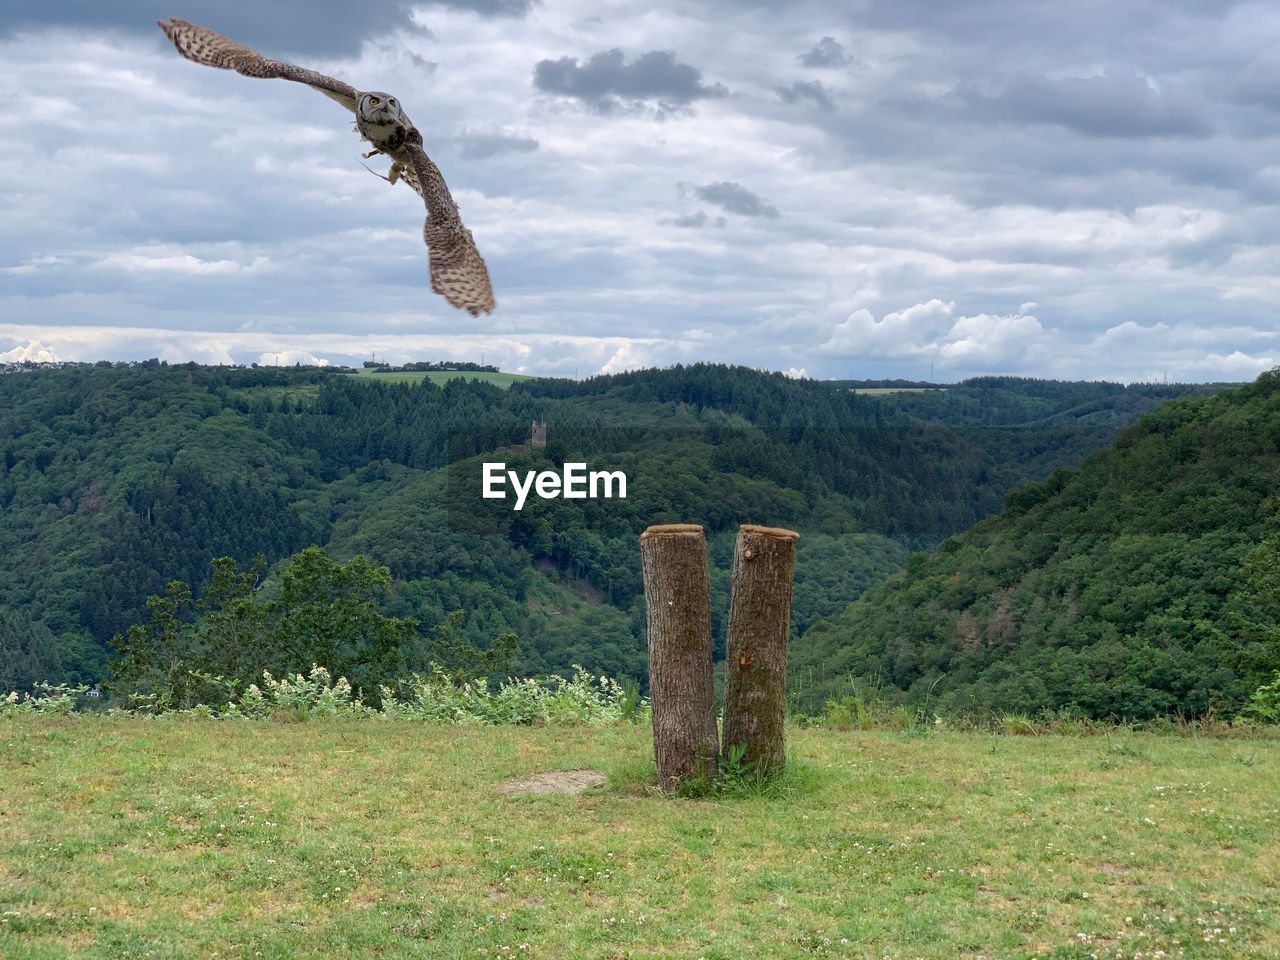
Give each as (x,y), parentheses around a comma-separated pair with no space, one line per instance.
(458,272)
(202,45)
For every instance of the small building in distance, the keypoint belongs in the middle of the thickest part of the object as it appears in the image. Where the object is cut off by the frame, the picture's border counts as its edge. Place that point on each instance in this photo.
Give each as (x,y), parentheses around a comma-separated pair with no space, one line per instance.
(537,440)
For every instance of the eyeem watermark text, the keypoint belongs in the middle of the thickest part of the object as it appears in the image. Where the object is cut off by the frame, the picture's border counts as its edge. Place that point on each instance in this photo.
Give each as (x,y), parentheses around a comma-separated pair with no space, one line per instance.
(574,482)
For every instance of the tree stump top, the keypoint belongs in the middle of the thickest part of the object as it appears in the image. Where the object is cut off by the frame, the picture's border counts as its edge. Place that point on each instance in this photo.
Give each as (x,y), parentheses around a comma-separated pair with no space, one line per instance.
(672,530)
(779,532)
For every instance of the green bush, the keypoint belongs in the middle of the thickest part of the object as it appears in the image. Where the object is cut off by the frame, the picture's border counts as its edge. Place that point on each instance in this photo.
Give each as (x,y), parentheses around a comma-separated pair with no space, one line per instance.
(1018,725)
(582,700)
(300,698)
(855,712)
(1264,705)
(50,699)
(197,651)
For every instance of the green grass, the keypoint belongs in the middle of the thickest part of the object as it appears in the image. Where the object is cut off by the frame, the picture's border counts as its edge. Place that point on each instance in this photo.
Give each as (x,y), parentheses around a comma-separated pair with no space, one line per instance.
(170,838)
(880,391)
(503,380)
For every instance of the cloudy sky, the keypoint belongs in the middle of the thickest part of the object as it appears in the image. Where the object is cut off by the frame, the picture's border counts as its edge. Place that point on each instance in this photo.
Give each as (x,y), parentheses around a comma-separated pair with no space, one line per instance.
(872,189)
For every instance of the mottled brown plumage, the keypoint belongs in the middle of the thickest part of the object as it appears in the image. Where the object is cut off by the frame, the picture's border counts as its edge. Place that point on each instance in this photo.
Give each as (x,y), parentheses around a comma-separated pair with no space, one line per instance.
(458,272)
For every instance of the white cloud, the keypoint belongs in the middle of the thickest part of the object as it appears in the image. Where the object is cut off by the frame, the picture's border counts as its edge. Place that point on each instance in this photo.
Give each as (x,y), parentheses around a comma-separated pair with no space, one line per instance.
(903,333)
(631,356)
(32,350)
(535,353)
(215,350)
(996,342)
(1237,365)
(287,358)
(1130,335)
(33,264)
(980,342)
(181,264)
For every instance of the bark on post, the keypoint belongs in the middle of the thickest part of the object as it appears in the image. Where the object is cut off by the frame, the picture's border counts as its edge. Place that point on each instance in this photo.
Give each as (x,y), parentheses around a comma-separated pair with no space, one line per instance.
(755,675)
(677,592)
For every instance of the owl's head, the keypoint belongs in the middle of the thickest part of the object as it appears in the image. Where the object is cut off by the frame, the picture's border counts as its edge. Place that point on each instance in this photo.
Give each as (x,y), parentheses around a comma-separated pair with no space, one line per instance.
(377,107)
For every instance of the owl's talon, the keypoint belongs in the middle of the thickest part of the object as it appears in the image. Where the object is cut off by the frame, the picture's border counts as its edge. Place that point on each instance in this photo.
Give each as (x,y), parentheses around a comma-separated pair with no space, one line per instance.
(371,153)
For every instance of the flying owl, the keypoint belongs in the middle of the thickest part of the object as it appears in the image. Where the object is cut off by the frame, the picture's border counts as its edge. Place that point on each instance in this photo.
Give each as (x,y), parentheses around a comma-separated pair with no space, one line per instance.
(458,272)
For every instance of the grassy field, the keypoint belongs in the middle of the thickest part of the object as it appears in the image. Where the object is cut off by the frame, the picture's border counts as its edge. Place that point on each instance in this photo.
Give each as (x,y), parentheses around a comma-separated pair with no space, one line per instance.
(503,380)
(880,391)
(178,838)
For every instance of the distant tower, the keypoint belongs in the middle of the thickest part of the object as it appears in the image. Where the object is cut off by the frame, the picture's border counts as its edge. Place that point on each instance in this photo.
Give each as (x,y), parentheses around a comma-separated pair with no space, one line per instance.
(539,438)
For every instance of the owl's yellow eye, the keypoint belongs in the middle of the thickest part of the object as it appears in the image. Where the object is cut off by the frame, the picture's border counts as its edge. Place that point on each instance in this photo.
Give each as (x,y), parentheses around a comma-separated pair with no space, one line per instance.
(373,101)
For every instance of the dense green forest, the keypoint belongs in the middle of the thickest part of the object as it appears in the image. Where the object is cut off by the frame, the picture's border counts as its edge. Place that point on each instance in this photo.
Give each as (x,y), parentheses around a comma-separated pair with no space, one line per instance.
(1140,584)
(115,480)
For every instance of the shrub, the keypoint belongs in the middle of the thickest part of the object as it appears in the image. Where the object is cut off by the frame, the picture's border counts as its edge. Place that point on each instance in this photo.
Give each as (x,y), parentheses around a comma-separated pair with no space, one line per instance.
(858,713)
(51,699)
(584,700)
(1264,704)
(1018,725)
(300,698)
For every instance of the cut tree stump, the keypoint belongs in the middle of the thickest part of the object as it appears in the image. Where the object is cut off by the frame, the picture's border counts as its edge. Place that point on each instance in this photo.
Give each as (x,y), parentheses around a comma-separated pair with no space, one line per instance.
(755,674)
(677,592)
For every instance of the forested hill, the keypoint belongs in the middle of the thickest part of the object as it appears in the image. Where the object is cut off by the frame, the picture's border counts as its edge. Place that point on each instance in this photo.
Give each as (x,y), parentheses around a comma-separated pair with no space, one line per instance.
(1023,402)
(114,480)
(1006,431)
(1140,584)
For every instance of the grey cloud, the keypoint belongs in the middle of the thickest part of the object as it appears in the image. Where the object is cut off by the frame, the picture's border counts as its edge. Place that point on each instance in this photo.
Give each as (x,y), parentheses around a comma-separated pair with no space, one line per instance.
(1102,27)
(478,145)
(608,83)
(1259,82)
(317,27)
(810,90)
(696,220)
(735,198)
(828,52)
(422,63)
(489,8)
(1115,104)
(399,51)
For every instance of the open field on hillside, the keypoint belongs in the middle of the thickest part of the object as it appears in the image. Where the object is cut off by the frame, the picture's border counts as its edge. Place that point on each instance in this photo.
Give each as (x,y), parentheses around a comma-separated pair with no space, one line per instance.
(881,391)
(500,379)
(175,838)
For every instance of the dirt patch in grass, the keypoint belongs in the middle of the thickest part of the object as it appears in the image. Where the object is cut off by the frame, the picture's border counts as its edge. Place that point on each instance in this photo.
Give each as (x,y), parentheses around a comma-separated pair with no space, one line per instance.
(555,781)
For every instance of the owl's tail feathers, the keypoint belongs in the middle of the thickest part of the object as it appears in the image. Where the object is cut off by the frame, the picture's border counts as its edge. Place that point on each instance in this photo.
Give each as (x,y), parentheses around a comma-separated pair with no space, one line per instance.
(458,272)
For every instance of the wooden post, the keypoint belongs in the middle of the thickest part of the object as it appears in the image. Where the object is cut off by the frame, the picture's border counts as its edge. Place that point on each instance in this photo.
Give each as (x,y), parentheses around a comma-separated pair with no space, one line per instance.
(677,592)
(755,674)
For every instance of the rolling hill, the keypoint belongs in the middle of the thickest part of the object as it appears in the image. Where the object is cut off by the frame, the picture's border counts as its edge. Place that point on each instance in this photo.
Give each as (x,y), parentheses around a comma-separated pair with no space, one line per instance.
(1118,589)
(115,479)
